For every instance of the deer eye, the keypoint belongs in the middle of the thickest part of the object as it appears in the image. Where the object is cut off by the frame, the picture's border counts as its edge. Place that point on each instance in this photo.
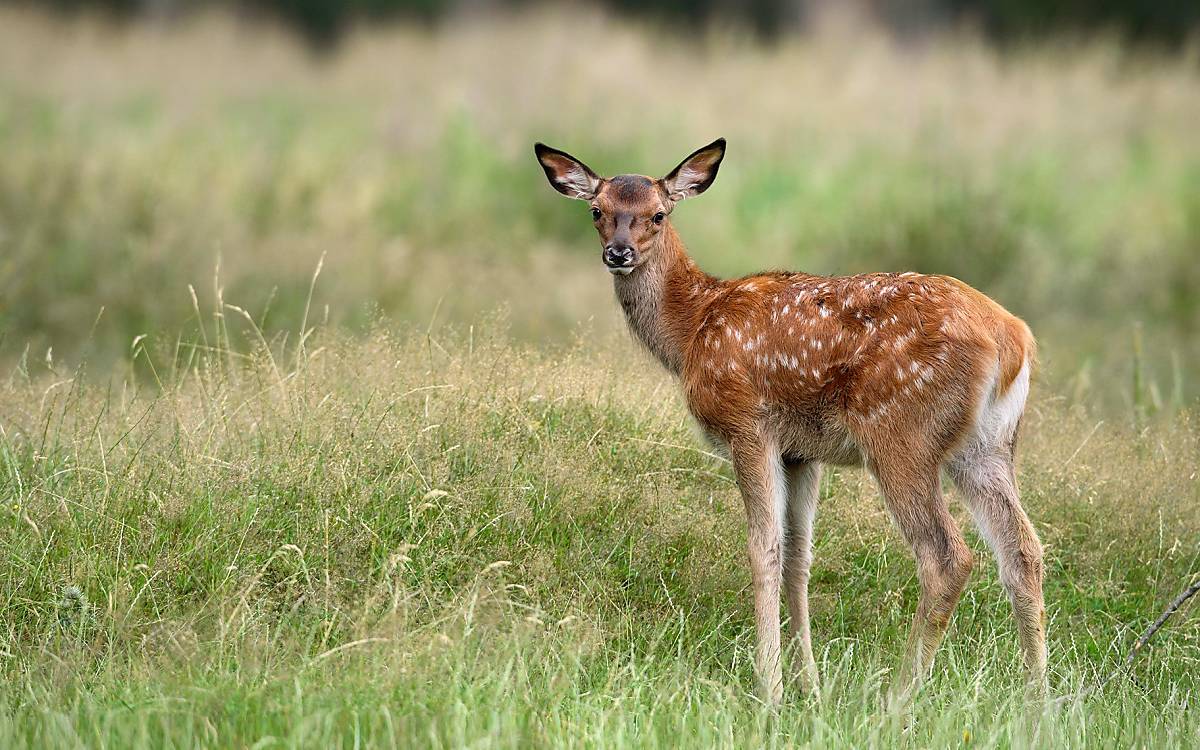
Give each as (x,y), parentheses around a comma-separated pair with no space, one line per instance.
(658,217)
(595,214)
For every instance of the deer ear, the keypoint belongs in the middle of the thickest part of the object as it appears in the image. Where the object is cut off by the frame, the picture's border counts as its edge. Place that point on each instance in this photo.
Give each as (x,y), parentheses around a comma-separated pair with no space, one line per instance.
(567,174)
(695,173)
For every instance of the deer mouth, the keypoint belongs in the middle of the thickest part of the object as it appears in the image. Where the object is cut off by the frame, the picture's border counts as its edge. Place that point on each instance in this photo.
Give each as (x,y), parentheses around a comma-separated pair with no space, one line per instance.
(623,270)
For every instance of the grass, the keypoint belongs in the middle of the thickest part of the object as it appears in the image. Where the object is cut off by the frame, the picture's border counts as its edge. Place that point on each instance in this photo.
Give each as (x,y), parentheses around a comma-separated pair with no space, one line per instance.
(441,539)
(1062,179)
(242,508)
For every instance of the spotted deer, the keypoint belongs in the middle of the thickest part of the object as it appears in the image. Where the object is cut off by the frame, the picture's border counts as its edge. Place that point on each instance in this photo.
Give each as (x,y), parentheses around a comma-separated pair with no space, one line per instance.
(905,374)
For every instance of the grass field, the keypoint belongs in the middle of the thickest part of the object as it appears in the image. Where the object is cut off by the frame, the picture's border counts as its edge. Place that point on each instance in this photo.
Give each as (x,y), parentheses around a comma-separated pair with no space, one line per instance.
(434,496)
(455,541)
(1064,180)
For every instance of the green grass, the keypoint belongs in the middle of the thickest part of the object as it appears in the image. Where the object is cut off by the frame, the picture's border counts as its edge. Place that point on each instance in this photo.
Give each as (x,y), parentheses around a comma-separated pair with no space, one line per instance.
(1063,180)
(451,539)
(245,509)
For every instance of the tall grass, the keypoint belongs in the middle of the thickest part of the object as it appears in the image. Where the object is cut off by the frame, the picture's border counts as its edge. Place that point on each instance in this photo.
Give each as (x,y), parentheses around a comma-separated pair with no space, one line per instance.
(434,539)
(244,508)
(1064,180)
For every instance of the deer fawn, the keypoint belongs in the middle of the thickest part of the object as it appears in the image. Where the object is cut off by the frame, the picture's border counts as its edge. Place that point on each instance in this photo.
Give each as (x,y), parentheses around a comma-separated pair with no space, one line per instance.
(905,374)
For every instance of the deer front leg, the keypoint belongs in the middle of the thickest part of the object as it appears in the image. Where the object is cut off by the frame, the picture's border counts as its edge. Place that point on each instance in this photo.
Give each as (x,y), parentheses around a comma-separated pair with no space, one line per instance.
(760,477)
(803,479)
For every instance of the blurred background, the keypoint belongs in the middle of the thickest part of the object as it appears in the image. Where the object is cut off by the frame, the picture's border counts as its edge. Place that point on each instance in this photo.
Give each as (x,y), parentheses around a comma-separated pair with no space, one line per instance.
(162,158)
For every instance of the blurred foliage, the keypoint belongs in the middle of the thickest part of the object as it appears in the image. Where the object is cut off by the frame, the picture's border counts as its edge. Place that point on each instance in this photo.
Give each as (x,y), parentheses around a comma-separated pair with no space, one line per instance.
(323,22)
(1065,182)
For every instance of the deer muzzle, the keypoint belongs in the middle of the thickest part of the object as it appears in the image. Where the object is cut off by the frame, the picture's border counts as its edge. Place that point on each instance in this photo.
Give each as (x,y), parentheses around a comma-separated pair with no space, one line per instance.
(619,259)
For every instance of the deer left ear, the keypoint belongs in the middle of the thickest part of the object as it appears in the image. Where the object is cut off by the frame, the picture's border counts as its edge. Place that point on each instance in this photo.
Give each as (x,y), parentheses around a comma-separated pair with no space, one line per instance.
(567,174)
(695,173)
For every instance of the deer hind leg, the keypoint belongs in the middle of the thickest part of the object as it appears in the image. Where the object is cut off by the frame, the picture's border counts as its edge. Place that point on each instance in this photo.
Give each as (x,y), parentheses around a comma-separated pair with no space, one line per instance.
(759,469)
(803,480)
(987,481)
(914,498)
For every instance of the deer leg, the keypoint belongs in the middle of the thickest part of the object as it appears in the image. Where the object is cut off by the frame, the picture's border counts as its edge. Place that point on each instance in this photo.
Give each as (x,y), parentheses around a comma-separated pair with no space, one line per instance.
(988,484)
(803,479)
(914,499)
(760,477)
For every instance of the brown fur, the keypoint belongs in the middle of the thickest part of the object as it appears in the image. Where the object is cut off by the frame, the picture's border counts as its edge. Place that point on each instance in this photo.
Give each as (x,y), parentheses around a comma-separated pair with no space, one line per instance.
(902,373)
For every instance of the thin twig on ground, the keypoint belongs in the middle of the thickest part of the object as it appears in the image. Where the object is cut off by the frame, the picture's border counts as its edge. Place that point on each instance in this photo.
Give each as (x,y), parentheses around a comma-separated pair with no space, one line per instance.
(1171,609)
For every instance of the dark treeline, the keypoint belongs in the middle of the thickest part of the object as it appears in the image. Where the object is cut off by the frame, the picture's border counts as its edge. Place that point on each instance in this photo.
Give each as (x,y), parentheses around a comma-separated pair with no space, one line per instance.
(1166,22)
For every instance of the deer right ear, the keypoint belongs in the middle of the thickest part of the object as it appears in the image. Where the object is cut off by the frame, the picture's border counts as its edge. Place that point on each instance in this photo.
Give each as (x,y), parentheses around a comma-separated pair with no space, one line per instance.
(695,173)
(567,174)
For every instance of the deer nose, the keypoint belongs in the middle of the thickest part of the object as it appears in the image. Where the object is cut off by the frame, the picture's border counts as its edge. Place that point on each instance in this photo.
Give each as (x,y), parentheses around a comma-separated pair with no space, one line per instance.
(618,255)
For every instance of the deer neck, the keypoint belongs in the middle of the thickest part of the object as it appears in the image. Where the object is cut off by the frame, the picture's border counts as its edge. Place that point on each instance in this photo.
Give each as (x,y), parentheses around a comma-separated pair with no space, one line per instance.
(664,299)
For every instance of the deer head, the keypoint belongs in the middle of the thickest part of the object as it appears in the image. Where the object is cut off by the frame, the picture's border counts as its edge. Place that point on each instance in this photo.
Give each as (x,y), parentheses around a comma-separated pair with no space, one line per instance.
(629,210)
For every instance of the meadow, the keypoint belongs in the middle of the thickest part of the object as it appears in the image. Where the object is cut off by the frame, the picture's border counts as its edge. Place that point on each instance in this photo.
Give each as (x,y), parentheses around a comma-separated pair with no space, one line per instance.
(318,426)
